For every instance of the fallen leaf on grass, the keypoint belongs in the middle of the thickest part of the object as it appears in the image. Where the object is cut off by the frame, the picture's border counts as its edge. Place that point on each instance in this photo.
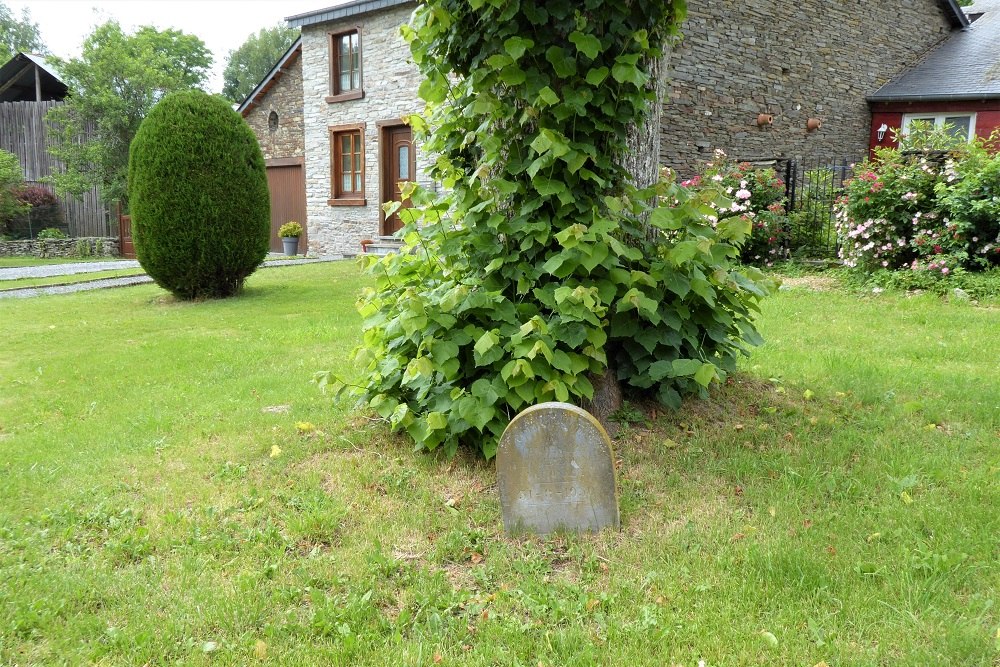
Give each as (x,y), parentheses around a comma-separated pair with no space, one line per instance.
(769,638)
(210,647)
(808,394)
(304,427)
(260,650)
(277,409)
(592,604)
(907,500)
(275,451)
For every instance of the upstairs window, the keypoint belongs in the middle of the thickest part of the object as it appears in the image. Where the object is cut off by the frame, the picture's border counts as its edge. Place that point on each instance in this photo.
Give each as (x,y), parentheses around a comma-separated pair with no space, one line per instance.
(345,66)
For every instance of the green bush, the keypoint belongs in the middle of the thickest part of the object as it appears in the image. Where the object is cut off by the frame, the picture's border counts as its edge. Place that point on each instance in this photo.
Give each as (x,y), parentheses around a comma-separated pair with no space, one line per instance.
(934,207)
(198,195)
(51,233)
(290,230)
(757,195)
(11,179)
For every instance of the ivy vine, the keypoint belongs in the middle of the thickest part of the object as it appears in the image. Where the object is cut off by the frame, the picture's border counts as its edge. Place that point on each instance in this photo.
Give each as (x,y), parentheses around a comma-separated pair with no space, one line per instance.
(541,266)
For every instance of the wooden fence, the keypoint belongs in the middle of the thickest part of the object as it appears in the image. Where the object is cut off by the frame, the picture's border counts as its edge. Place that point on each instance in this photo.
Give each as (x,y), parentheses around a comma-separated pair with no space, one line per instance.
(23,132)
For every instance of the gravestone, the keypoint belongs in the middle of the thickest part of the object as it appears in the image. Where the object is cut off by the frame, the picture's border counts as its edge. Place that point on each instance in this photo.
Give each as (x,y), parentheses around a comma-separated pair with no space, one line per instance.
(556,471)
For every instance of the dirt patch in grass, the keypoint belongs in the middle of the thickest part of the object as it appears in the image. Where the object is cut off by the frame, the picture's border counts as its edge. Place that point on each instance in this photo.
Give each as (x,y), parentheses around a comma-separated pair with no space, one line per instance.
(815,283)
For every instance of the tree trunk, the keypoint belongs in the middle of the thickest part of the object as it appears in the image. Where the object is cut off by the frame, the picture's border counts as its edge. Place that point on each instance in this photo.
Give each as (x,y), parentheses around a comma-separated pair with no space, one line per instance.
(642,161)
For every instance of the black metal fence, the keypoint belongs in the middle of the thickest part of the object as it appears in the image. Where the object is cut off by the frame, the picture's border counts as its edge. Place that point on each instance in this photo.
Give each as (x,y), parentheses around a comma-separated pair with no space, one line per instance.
(812,187)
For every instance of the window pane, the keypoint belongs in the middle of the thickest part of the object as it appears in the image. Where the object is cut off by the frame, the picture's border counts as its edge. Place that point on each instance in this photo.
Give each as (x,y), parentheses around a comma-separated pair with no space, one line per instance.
(357,182)
(357,162)
(404,163)
(345,48)
(345,164)
(960,125)
(345,183)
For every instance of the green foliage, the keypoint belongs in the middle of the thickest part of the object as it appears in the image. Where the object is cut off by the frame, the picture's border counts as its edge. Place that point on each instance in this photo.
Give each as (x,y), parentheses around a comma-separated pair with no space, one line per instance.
(290,230)
(200,203)
(542,266)
(113,84)
(11,180)
(51,233)
(249,64)
(933,209)
(18,34)
(758,196)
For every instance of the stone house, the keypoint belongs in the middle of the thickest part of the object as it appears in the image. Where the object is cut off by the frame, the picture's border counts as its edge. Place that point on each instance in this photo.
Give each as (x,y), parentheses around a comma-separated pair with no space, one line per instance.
(761,79)
(358,88)
(769,78)
(274,111)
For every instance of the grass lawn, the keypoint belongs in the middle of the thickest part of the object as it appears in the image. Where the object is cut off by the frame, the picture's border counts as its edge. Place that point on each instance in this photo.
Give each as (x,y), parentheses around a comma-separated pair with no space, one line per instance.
(175,491)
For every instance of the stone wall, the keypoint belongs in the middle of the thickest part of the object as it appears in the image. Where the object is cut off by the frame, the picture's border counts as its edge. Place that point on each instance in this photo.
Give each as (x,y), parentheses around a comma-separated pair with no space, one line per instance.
(286,137)
(79,247)
(793,61)
(390,83)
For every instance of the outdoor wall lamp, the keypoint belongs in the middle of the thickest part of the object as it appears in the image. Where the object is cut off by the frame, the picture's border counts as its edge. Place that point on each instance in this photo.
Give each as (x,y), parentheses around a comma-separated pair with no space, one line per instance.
(813,124)
(880,132)
(764,119)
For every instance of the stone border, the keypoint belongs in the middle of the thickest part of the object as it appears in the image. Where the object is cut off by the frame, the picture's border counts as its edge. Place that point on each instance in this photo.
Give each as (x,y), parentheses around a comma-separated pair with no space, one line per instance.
(91,246)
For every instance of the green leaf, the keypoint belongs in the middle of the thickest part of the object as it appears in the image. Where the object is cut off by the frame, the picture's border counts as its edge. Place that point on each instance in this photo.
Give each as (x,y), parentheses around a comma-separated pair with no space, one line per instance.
(596,76)
(516,46)
(437,421)
(686,367)
(705,374)
(586,44)
(547,96)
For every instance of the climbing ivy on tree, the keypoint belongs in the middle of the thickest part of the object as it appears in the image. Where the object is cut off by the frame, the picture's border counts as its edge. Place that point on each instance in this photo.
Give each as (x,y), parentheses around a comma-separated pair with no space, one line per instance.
(542,267)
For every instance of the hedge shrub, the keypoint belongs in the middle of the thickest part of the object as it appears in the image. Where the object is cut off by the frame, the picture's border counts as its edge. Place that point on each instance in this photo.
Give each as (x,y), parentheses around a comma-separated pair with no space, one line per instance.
(198,196)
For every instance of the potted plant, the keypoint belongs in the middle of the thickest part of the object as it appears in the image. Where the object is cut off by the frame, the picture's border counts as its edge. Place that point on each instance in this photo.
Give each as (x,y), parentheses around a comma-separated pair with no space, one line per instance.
(290,233)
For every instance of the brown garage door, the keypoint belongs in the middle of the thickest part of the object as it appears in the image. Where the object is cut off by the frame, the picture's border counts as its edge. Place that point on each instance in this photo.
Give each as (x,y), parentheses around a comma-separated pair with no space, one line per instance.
(287,183)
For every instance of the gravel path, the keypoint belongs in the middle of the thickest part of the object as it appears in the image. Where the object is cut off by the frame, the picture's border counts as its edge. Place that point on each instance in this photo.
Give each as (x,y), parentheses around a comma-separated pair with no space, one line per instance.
(65,269)
(89,267)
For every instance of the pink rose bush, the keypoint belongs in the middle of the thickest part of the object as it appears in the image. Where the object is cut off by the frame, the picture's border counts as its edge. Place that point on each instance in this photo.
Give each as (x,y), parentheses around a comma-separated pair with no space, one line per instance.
(923,210)
(757,195)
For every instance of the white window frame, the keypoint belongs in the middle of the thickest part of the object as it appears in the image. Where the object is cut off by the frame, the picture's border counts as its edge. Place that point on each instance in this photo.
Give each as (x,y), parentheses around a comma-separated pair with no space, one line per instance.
(939,120)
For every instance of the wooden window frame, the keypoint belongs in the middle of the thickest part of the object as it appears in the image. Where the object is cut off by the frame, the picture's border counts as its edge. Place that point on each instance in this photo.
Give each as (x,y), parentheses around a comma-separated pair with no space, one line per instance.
(336,94)
(337,196)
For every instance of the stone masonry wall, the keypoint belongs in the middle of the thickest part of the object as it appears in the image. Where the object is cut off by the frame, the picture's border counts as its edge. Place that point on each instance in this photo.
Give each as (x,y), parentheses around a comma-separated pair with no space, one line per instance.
(795,61)
(78,247)
(285,99)
(390,83)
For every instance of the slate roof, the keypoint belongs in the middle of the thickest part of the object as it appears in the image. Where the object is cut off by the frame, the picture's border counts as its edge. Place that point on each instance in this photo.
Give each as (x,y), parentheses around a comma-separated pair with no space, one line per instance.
(343,11)
(964,67)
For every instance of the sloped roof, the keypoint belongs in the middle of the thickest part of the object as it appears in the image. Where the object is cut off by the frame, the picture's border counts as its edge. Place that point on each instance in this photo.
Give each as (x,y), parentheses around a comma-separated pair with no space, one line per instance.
(17,79)
(964,67)
(343,11)
(293,53)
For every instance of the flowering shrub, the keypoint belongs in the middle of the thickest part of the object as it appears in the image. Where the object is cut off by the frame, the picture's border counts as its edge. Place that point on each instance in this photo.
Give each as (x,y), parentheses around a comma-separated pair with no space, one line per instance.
(757,195)
(926,210)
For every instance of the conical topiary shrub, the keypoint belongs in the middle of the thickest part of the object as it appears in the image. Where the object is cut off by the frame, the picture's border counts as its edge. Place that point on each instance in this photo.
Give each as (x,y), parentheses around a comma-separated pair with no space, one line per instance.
(198,196)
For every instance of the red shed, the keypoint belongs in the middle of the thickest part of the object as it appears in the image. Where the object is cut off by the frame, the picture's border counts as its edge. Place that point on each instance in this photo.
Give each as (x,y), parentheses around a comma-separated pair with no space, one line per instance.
(957,83)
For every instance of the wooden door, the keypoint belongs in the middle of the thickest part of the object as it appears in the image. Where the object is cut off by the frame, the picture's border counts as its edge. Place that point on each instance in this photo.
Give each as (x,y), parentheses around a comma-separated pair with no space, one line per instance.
(287,185)
(125,246)
(399,164)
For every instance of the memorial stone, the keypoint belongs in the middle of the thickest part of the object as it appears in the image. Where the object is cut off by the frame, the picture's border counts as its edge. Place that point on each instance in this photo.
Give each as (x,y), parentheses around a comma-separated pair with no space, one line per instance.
(556,471)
